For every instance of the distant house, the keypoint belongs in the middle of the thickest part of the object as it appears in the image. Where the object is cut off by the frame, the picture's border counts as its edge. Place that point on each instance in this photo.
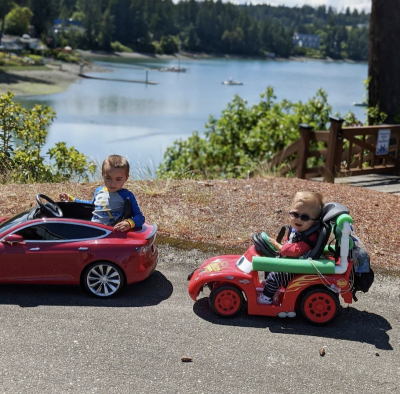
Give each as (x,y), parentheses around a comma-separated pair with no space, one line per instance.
(60,25)
(306,40)
(29,43)
(18,44)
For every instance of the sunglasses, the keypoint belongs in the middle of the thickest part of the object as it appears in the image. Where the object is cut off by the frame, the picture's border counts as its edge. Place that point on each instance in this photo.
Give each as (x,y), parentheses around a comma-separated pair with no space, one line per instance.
(303,218)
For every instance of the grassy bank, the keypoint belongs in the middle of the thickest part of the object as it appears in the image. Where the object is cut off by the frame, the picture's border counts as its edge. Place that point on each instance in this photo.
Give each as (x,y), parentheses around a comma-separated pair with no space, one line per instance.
(226,214)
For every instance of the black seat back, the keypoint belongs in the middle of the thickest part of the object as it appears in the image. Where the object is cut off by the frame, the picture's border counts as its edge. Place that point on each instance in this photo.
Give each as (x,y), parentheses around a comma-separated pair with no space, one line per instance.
(127,211)
(330,212)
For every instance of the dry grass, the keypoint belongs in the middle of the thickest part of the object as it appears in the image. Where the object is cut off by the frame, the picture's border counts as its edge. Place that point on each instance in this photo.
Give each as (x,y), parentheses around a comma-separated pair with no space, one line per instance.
(228,213)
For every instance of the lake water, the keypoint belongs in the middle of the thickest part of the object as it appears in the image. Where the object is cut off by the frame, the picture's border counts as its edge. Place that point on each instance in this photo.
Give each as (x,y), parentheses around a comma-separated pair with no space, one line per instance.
(140,121)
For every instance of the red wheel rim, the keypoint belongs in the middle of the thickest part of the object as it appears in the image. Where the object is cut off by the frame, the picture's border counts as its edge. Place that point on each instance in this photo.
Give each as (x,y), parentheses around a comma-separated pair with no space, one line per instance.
(227,302)
(320,307)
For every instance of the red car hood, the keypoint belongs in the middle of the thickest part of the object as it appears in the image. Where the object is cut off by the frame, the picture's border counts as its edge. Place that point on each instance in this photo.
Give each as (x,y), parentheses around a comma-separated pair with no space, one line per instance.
(225,264)
(216,268)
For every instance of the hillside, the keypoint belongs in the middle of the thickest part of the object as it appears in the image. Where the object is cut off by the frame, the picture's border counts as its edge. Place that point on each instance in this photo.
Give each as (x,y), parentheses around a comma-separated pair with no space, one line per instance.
(227,213)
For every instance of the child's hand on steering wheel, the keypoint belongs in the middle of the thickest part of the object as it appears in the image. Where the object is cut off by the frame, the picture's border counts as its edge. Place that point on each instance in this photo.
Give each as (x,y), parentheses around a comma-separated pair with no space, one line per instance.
(63,196)
(274,243)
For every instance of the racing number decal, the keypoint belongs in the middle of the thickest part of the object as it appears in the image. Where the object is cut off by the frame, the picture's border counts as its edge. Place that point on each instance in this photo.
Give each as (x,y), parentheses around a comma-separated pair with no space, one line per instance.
(216,266)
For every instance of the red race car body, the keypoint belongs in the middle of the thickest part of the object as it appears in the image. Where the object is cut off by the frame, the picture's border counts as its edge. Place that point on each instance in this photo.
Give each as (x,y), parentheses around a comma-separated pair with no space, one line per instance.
(315,289)
(39,249)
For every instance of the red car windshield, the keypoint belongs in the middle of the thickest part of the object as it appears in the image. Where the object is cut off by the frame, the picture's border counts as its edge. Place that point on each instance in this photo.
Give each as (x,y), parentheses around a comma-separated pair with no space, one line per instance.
(13,221)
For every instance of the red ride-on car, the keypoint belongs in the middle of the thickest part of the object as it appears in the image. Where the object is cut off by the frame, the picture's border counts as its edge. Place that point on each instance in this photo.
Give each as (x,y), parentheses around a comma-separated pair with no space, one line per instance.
(57,243)
(322,277)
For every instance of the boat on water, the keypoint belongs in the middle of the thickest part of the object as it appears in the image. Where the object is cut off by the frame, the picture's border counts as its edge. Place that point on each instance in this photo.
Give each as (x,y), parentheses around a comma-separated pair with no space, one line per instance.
(174,69)
(360,104)
(178,68)
(230,81)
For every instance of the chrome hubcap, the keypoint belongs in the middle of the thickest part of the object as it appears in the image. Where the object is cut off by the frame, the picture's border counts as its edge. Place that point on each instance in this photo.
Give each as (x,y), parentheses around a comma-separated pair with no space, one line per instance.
(103,280)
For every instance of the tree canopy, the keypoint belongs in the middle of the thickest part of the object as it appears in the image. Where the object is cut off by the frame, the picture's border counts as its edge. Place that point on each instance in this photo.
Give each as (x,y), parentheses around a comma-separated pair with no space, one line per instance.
(203,26)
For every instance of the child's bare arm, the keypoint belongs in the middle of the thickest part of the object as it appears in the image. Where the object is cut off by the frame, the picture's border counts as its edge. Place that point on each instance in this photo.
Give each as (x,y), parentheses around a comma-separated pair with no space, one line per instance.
(275,243)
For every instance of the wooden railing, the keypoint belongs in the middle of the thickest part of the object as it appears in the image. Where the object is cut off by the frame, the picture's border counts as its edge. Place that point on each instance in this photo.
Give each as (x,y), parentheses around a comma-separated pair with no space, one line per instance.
(345,151)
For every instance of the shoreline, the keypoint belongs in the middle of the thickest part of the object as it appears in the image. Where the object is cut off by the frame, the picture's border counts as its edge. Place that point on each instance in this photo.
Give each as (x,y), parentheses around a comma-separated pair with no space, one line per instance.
(58,77)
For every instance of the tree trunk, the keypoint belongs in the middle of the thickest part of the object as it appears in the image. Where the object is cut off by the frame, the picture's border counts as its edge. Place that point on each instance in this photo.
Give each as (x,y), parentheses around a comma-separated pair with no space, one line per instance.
(2,27)
(384,58)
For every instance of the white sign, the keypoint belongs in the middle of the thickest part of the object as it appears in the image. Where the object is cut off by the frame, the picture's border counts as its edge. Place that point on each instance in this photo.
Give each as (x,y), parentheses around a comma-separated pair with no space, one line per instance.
(382,144)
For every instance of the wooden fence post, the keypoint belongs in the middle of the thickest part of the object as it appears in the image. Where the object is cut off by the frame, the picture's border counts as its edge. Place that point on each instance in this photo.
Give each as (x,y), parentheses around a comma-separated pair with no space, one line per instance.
(302,154)
(335,149)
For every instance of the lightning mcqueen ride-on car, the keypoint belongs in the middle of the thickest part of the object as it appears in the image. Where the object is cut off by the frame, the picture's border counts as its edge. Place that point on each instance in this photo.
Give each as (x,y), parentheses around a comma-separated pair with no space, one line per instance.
(57,243)
(322,277)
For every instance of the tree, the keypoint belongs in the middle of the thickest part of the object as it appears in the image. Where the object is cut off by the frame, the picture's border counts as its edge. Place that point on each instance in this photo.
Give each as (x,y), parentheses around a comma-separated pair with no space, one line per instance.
(17,20)
(384,59)
(5,7)
(23,134)
(44,13)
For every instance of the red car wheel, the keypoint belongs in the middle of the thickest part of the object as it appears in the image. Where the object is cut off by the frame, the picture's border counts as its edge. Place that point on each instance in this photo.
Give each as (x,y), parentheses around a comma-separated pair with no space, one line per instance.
(226,301)
(320,306)
(103,279)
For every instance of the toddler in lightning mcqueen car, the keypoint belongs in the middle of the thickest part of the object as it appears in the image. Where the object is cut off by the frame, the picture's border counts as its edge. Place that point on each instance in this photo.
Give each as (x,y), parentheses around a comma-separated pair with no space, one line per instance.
(320,262)
(305,213)
(111,199)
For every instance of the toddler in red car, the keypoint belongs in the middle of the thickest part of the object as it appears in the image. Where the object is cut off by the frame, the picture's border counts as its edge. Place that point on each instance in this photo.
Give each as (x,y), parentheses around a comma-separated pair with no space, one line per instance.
(305,212)
(109,199)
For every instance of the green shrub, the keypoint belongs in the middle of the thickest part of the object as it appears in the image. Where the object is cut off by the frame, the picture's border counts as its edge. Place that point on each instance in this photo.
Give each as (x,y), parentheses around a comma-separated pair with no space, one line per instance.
(243,137)
(118,47)
(36,58)
(23,134)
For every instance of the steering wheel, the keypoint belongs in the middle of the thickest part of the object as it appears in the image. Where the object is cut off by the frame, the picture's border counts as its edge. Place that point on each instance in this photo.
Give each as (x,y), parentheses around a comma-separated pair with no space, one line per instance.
(51,207)
(264,247)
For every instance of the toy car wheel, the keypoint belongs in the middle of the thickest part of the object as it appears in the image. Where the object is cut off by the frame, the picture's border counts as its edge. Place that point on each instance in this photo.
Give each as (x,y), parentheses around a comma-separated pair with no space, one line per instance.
(226,301)
(103,279)
(320,306)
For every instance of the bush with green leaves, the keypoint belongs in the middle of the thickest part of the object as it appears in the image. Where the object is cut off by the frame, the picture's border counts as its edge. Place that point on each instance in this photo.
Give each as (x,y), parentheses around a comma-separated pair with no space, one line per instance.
(168,45)
(118,47)
(243,138)
(23,133)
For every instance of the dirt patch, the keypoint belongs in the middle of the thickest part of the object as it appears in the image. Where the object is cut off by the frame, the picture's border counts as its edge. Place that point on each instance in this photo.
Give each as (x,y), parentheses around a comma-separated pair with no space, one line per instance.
(226,214)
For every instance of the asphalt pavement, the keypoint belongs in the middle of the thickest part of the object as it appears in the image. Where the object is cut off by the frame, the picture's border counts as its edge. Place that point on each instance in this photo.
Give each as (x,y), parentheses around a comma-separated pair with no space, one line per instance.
(59,340)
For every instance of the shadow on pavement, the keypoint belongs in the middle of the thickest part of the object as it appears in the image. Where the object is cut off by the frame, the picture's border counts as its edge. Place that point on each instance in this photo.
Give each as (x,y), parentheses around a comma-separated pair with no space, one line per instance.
(151,291)
(350,324)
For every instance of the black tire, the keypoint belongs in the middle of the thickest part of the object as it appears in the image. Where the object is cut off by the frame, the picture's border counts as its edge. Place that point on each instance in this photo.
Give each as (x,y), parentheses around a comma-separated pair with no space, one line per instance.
(226,301)
(320,306)
(103,279)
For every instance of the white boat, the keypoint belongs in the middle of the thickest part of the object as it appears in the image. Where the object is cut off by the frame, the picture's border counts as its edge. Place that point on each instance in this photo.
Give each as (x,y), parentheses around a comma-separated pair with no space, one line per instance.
(230,81)
(174,69)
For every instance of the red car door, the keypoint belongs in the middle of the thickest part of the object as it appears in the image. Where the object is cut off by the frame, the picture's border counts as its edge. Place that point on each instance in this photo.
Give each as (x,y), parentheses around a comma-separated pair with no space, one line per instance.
(20,262)
(53,252)
(62,262)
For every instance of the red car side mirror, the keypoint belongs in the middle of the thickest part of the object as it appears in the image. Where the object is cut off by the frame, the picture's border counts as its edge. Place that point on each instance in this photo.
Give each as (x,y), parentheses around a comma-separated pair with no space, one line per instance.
(14,239)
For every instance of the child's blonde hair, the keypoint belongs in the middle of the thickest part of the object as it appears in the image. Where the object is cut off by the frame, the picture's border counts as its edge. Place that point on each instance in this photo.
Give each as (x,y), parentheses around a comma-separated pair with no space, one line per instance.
(313,198)
(115,161)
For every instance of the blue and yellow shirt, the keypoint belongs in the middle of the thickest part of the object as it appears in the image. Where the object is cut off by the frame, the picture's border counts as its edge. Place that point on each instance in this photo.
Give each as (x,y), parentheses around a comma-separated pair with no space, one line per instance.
(108,206)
